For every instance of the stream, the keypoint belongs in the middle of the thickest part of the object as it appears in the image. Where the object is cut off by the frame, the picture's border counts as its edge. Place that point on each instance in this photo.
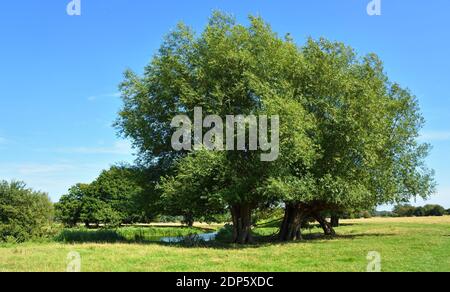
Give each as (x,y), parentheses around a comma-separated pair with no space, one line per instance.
(204,237)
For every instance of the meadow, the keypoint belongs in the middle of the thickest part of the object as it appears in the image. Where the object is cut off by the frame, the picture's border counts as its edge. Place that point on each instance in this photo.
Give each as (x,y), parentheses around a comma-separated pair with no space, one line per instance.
(405,244)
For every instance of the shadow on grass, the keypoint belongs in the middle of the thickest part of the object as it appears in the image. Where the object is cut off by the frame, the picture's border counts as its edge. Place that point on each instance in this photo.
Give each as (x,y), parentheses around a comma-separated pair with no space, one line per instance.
(264,241)
(277,223)
(315,236)
(153,235)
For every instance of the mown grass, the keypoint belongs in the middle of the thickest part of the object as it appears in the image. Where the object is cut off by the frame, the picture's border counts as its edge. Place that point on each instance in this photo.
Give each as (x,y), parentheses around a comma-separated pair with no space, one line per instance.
(421,244)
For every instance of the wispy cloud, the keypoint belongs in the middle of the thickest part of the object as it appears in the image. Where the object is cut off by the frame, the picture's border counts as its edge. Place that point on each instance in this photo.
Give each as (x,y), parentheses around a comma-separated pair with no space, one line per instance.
(42,169)
(3,141)
(54,178)
(435,136)
(101,96)
(119,148)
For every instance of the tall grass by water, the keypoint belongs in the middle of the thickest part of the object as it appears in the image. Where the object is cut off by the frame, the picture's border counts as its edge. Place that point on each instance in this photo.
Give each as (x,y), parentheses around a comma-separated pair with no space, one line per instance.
(125,234)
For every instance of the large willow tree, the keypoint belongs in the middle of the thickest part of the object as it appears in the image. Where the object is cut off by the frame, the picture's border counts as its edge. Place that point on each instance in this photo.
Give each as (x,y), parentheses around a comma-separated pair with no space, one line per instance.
(347,134)
(366,130)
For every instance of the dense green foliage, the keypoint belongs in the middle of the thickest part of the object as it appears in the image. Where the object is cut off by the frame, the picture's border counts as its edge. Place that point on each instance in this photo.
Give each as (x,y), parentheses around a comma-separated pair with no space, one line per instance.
(116,197)
(348,135)
(24,213)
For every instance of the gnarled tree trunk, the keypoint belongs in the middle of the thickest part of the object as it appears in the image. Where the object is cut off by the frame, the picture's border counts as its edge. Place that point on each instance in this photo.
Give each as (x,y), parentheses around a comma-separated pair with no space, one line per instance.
(242,224)
(291,225)
(327,228)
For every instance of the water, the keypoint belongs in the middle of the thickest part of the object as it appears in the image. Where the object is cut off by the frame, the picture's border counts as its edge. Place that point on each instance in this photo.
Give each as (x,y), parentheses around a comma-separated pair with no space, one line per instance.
(205,237)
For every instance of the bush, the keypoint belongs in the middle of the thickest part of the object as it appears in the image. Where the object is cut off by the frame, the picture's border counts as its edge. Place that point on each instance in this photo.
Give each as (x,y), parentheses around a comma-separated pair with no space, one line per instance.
(434,210)
(419,212)
(68,209)
(108,216)
(404,211)
(24,214)
(225,234)
(365,214)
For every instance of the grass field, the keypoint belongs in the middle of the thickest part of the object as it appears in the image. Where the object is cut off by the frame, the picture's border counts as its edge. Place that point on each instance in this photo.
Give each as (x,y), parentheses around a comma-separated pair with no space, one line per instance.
(405,244)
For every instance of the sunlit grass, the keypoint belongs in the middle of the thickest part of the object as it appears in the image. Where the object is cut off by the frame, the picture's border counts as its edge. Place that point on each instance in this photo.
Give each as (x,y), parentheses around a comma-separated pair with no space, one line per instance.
(421,244)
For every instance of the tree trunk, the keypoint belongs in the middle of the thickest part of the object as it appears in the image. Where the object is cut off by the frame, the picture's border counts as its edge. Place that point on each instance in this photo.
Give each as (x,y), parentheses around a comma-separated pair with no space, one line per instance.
(291,225)
(189,220)
(327,228)
(241,215)
(334,220)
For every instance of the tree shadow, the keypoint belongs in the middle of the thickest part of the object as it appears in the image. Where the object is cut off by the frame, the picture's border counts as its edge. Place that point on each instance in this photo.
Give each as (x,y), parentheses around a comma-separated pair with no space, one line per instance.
(264,241)
(315,236)
(277,223)
(148,236)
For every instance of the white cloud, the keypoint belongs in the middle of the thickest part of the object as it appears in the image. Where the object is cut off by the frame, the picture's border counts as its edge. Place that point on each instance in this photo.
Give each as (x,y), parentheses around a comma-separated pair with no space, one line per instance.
(442,197)
(52,178)
(435,136)
(43,169)
(119,148)
(101,96)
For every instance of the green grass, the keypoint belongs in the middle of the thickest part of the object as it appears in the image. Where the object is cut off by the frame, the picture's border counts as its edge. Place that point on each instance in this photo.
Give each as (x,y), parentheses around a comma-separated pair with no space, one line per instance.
(421,244)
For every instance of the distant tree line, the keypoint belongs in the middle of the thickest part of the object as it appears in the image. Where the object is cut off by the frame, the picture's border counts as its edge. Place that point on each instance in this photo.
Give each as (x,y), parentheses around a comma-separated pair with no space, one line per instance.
(425,211)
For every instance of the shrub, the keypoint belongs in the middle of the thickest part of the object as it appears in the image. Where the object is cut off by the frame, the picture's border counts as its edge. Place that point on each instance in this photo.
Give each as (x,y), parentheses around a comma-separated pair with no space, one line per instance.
(365,214)
(225,234)
(68,209)
(404,211)
(24,214)
(419,212)
(434,210)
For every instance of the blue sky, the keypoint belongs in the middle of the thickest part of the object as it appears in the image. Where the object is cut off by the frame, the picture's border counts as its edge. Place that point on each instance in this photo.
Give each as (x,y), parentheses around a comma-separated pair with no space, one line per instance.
(59,74)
